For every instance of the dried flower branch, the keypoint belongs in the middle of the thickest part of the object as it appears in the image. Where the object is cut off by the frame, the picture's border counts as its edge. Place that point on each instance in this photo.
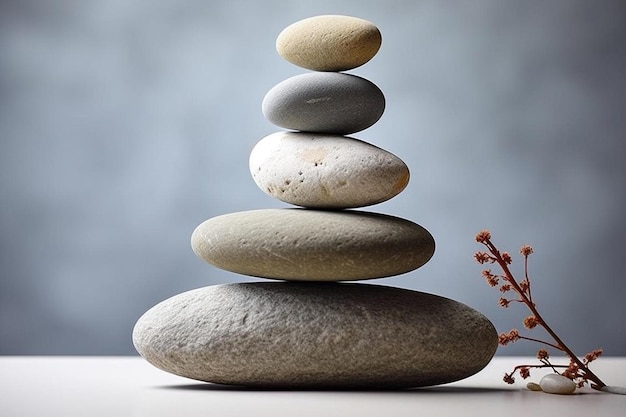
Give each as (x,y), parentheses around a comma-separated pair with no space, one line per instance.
(578,369)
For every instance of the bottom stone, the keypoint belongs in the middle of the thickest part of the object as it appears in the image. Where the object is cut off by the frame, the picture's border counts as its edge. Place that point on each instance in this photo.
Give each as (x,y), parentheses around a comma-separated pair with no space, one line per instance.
(315,335)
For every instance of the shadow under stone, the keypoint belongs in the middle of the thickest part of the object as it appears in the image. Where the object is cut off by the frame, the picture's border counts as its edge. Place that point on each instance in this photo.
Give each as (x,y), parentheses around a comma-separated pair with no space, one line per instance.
(420,390)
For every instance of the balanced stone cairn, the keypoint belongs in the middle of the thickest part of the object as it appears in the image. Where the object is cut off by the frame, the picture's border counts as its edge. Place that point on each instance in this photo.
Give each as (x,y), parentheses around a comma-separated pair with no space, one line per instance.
(312,331)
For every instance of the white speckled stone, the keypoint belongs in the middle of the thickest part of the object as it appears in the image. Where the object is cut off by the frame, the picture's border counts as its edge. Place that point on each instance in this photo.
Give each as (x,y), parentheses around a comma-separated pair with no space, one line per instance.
(313,245)
(300,335)
(324,102)
(329,42)
(557,384)
(323,171)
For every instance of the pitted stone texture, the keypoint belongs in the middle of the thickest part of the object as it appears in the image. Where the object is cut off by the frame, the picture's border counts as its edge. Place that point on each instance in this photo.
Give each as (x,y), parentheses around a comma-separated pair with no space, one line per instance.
(315,335)
(324,171)
(324,102)
(329,42)
(313,245)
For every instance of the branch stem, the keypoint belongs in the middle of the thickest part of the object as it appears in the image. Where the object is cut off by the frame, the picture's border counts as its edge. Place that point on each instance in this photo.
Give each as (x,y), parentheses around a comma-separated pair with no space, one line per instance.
(558,342)
(541,341)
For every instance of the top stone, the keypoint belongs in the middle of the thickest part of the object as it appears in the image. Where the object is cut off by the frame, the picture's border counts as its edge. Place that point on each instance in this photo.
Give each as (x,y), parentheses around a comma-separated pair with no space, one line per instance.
(329,43)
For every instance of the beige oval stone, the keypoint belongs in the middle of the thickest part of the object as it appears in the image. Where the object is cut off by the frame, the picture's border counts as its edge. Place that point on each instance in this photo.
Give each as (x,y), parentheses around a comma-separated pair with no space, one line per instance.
(315,335)
(313,245)
(326,171)
(329,42)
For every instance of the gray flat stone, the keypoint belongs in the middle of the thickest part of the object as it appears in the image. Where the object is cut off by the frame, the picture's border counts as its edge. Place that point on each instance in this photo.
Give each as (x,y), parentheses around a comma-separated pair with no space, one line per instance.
(313,245)
(315,335)
(324,102)
(326,171)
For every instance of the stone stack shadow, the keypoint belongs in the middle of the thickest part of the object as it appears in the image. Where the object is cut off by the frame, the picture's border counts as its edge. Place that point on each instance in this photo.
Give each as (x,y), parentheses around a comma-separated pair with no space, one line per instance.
(308,329)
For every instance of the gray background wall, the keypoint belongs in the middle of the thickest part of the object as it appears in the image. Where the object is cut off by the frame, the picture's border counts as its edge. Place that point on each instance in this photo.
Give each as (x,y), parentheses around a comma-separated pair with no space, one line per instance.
(124,124)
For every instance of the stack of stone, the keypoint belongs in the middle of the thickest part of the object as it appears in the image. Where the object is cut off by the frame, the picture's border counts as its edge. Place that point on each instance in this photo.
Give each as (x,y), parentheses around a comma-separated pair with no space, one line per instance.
(310,330)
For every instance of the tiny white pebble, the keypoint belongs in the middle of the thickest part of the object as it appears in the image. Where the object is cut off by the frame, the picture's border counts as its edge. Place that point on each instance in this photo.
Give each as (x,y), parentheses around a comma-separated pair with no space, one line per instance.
(557,384)
(533,387)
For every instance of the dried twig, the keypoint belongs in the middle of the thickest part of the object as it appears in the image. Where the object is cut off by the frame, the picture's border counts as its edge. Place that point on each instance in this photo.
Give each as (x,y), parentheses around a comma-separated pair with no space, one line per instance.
(578,369)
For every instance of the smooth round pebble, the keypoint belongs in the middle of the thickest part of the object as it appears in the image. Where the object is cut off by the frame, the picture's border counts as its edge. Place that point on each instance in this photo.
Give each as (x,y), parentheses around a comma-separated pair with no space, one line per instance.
(329,42)
(324,335)
(557,384)
(613,389)
(323,171)
(313,245)
(533,386)
(324,102)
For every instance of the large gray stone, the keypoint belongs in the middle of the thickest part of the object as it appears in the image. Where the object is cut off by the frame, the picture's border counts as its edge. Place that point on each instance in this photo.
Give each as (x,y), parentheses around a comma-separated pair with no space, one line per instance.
(326,171)
(313,245)
(312,335)
(329,42)
(324,102)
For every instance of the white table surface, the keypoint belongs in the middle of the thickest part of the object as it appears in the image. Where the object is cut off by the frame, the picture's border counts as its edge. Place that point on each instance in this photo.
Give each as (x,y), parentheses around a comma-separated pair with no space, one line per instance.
(50,386)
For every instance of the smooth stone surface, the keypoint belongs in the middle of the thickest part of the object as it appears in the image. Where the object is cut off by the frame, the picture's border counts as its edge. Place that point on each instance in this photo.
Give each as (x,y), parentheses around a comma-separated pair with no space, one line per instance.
(299,335)
(613,389)
(557,384)
(324,102)
(313,245)
(329,42)
(322,171)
